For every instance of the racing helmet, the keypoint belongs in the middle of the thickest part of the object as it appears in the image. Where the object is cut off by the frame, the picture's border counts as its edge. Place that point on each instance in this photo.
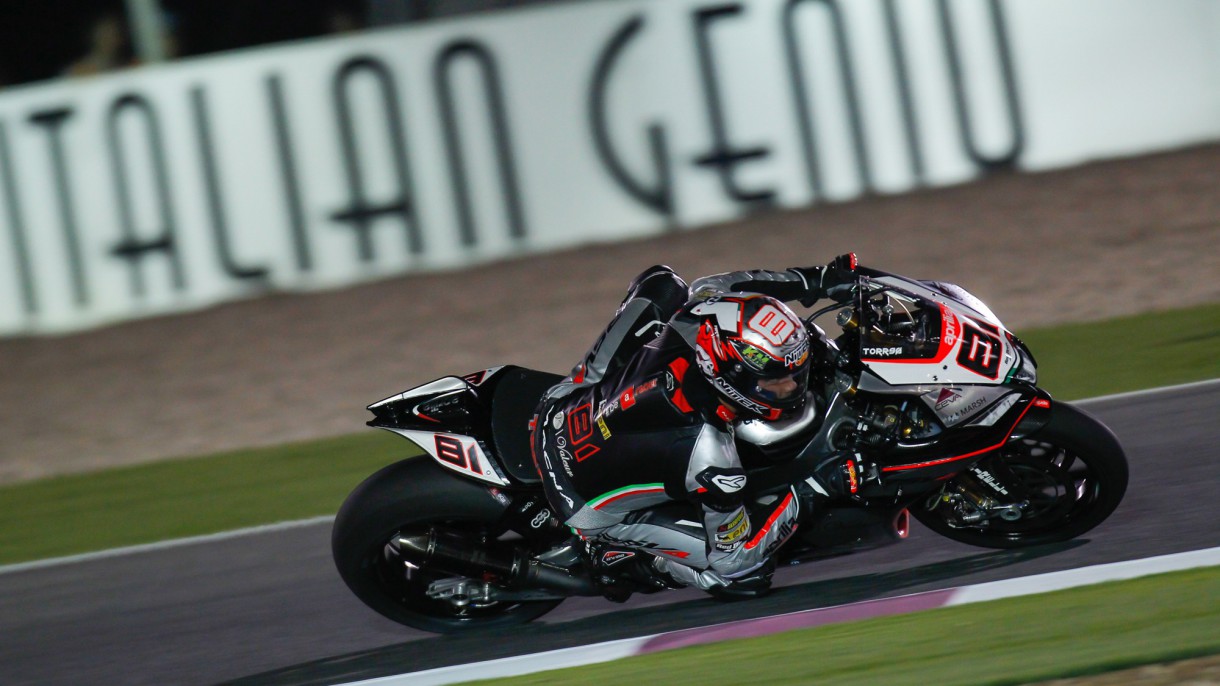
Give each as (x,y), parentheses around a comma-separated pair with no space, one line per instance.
(755,352)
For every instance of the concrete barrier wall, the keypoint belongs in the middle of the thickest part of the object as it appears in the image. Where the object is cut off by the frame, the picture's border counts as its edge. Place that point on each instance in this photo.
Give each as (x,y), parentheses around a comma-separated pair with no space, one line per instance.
(329,162)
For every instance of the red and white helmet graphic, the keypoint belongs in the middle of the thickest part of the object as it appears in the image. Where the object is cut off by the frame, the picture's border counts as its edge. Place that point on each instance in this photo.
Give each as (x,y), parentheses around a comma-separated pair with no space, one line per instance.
(755,352)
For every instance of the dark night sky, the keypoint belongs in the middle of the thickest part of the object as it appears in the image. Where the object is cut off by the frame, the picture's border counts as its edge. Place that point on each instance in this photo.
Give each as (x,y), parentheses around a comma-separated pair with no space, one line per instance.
(39,39)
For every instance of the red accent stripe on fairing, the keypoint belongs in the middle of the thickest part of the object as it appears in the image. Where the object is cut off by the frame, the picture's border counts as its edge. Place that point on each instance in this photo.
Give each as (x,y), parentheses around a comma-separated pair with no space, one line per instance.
(933,463)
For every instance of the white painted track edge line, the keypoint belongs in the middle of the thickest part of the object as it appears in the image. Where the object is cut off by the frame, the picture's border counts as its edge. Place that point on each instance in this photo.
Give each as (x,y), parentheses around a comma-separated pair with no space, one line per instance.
(577,656)
(114,552)
(1193,385)
(163,545)
(1085,576)
(995,590)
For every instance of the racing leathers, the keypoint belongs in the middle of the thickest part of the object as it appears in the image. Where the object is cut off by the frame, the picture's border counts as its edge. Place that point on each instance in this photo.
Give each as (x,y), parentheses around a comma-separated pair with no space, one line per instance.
(636,449)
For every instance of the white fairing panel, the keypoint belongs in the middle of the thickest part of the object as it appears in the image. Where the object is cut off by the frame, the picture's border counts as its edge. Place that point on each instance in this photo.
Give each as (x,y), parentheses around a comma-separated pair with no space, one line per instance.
(954,405)
(441,385)
(480,377)
(462,454)
(974,347)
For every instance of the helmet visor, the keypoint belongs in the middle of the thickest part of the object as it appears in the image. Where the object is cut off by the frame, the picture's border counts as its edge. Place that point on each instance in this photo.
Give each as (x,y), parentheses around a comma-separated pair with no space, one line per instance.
(783,388)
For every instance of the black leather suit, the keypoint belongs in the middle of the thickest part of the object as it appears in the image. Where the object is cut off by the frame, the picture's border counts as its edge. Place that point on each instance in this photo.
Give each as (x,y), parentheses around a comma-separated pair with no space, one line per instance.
(631,449)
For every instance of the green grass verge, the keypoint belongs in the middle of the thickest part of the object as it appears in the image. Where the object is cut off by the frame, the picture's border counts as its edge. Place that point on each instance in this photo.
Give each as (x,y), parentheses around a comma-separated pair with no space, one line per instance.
(1076,632)
(1160,349)
(81,513)
(141,504)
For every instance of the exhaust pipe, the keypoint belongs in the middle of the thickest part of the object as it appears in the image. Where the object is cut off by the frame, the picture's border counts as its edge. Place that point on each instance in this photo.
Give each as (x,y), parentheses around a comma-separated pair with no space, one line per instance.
(454,553)
(902,524)
(848,529)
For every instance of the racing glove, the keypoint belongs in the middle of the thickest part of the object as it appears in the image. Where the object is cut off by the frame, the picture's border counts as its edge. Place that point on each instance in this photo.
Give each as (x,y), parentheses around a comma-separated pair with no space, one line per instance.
(834,279)
(845,475)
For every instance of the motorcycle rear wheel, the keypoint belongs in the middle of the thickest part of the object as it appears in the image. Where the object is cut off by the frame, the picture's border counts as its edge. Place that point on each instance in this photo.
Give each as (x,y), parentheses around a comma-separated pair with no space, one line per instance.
(409,497)
(1075,472)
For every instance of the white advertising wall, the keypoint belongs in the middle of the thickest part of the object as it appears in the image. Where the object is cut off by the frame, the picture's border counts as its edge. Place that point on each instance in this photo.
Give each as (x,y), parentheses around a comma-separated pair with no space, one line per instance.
(329,162)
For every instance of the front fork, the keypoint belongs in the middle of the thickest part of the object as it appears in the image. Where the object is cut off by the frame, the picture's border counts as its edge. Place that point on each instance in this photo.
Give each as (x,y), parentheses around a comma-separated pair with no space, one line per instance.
(988,490)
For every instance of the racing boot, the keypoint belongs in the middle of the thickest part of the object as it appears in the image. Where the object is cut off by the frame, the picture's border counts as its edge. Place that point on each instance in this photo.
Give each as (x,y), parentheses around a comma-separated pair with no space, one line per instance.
(620,572)
(756,584)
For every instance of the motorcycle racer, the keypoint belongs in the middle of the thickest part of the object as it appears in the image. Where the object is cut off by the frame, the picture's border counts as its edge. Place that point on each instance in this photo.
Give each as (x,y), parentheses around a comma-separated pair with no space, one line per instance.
(643,428)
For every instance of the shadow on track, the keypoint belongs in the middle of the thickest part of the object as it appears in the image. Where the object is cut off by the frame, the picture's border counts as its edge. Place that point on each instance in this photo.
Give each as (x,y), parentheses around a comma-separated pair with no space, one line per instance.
(535,638)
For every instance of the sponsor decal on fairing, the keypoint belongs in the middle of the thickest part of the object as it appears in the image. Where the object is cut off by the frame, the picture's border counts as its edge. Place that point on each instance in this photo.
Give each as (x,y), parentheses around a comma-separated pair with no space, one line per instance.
(987,478)
(479,377)
(947,397)
(462,454)
(499,496)
(965,411)
(949,337)
(883,352)
(1001,408)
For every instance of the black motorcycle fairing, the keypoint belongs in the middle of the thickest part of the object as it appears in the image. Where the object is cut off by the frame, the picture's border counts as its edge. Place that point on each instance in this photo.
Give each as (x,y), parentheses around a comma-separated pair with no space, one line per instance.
(1038,416)
(513,402)
(909,467)
(448,404)
(954,449)
(838,530)
(494,407)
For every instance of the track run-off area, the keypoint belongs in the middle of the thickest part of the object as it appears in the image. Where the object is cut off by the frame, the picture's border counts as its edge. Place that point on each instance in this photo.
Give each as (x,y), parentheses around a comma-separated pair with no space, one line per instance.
(265,606)
(802,619)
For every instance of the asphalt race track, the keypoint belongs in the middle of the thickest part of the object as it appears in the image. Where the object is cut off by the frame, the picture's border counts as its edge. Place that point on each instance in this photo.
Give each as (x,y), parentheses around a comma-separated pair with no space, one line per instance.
(270,609)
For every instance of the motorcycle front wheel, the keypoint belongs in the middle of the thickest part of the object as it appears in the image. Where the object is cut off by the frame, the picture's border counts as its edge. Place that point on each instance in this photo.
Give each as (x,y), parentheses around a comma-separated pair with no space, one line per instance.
(405,498)
(1074,472)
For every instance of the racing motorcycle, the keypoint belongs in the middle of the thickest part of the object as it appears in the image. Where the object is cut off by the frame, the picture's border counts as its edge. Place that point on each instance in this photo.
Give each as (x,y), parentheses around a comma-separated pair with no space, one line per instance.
(922,377)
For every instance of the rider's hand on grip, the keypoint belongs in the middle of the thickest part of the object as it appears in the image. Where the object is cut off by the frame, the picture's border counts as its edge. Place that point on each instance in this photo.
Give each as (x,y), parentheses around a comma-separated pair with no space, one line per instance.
(812,276)
(834,279)
(845,475)
(839,276)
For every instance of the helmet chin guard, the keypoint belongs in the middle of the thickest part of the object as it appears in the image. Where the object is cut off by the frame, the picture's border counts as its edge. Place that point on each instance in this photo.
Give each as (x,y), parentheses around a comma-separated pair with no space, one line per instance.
(755,352)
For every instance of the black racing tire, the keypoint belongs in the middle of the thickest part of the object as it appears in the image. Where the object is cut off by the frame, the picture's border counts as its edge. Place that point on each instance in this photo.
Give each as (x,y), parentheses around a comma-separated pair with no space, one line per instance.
(1076,472)
(412,495)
